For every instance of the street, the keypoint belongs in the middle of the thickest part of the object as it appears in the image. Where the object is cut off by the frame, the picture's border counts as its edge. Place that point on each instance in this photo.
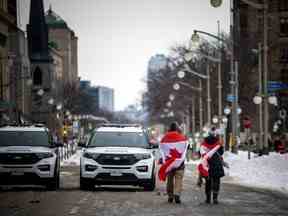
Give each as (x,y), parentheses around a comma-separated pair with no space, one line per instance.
(70,200)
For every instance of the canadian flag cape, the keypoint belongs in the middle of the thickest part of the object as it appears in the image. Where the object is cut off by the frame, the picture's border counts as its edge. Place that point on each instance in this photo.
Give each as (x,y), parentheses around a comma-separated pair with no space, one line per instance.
(173,148)
(206,152)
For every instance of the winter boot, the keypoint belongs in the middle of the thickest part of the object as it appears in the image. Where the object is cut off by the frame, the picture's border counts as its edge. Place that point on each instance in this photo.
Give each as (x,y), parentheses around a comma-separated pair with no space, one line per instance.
(177,199)
(170,199)
(208,198)
(199,181)
(215,198)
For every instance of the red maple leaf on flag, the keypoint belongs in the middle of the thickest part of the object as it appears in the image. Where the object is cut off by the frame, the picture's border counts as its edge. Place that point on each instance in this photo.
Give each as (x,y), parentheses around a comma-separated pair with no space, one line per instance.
(174,153)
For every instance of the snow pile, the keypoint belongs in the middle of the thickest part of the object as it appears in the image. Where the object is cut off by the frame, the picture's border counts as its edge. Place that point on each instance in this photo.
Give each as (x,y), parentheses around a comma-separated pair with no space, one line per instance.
(268,171)
(74,160)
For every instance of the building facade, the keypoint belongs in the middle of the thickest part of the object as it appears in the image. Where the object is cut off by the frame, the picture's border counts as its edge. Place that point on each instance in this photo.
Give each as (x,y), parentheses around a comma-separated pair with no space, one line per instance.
(46,69)
(102,96)
(64,40)
(105,99)
(251,37)
(15,78)
(20,76)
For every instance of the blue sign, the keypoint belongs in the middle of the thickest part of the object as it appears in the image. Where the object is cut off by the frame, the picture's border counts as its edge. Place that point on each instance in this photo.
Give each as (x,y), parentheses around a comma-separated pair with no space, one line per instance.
(276,86)
(231,98)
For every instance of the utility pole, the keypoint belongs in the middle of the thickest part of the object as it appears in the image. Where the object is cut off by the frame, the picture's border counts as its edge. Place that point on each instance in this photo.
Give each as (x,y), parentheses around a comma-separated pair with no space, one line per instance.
(200,105)
(219,75)
(260,142)
(232,76)
(208,95)
(265,77)
(193,116)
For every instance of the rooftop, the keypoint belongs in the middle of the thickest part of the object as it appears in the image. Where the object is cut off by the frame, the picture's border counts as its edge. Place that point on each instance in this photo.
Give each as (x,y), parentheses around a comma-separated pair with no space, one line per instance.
(120,128)
(53,20)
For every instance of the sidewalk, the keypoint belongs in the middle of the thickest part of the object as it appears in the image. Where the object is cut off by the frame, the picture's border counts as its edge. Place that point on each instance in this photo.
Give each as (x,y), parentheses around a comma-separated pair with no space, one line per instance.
(264,172)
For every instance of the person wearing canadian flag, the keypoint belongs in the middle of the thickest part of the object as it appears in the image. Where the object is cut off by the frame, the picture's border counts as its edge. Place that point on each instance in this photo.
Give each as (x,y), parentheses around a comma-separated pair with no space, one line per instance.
(173,148)
(211,165)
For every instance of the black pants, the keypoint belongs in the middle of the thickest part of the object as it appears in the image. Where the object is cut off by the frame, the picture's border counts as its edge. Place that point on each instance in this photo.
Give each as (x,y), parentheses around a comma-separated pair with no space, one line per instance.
(212,185)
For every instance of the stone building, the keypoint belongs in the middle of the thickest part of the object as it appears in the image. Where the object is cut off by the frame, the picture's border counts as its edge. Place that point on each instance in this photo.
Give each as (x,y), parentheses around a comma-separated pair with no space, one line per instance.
(7,21)
(20,76)
(46,69)
(65,40)
(15,78)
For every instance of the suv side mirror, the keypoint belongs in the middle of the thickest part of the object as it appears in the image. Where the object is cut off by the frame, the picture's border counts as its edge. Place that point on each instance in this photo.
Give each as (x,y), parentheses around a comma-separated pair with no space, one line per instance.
(153,143)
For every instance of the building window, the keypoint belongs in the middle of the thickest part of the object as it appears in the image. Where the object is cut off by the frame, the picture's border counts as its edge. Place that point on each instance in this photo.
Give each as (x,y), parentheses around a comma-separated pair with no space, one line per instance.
(37,76)
(284,75)
(3,5)
(284,26)
(283,5)
(284,54)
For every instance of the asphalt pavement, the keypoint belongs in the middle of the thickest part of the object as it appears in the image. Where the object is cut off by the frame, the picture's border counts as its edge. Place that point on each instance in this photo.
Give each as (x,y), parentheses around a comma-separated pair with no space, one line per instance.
(69,200)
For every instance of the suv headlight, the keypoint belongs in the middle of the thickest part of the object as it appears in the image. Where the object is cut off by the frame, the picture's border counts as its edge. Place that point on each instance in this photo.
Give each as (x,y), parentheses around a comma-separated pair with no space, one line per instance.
(90,155)
(44,155)
(142,156)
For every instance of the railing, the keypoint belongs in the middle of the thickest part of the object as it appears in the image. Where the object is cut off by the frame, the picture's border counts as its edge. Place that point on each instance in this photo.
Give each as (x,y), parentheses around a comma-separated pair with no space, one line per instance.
(68,149)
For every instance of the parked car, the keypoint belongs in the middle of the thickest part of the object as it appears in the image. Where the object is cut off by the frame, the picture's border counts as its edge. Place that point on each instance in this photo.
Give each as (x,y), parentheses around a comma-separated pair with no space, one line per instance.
(28,156)
(118,154)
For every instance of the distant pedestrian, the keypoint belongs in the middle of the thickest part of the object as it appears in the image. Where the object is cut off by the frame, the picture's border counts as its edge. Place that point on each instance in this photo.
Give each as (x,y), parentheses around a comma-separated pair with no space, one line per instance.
(211,166)
(173,147)
(279,145)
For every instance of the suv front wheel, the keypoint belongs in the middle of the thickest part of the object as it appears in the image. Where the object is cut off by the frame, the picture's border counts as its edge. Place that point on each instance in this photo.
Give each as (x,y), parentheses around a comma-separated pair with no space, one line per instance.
(86,184)
(151,184)
(54,183)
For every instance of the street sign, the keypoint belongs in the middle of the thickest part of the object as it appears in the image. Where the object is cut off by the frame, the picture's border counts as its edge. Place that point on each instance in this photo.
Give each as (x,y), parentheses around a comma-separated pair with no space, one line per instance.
(276,86)
(231,98)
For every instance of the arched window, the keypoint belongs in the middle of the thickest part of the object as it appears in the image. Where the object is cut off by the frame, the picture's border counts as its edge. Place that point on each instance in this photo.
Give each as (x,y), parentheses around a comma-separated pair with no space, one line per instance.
(37,76)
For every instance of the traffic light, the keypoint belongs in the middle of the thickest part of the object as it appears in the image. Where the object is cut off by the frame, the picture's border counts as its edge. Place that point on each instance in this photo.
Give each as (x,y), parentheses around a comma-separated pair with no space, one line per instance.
(65,131)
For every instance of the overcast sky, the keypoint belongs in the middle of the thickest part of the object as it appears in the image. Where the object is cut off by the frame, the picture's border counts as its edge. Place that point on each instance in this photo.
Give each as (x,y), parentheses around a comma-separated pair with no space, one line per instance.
(117,37)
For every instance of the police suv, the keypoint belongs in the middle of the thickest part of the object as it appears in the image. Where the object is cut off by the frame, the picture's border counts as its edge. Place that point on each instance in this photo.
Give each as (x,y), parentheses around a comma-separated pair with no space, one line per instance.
(28,156)
(117,154)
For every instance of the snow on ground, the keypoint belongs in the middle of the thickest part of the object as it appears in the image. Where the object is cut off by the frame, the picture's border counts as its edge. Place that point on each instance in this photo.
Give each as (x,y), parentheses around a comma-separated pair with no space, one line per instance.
(268,171)
(74,160)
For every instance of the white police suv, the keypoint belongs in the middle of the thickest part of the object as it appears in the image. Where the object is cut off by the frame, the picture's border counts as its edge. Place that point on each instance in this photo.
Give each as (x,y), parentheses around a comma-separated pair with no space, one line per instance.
(28,156)
(117,154)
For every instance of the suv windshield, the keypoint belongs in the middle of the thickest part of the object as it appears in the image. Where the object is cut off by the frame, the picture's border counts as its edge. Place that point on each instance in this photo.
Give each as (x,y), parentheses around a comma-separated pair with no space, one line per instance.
(24,138)
(119,139)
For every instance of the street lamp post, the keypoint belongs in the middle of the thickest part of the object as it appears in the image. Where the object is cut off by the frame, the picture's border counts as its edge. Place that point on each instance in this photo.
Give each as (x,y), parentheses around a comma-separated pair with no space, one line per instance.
(265,77)
(176,86)
(200,106)
(208,95)
(193,124)
(181,75)
(195,38)
(219,74)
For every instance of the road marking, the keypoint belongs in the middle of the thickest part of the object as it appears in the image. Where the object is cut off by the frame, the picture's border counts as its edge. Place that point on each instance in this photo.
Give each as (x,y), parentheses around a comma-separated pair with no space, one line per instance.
(74,210)
(85,199)
(65,173)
